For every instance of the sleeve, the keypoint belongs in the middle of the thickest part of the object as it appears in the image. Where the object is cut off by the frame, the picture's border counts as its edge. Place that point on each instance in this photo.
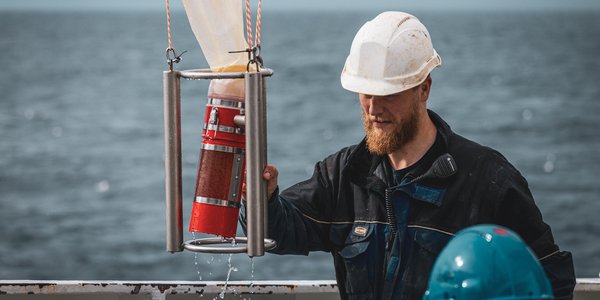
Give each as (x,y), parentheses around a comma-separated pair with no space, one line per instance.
(299,217)
(518,211)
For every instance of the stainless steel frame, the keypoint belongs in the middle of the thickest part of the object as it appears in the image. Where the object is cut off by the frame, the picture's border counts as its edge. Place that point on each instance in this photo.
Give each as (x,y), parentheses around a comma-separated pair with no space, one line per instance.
(172,123)
(223,245)
(256,159)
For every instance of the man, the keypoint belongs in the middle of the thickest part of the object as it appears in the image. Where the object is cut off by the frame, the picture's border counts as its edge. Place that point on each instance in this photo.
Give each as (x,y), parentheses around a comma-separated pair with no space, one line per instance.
(386,207)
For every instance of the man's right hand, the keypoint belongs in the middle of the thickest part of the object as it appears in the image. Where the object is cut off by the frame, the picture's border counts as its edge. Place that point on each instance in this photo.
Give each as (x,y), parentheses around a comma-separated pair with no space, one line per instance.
(270,174)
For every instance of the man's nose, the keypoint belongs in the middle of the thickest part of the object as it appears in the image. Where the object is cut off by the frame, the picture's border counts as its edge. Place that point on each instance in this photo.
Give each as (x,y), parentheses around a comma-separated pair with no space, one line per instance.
(375,105)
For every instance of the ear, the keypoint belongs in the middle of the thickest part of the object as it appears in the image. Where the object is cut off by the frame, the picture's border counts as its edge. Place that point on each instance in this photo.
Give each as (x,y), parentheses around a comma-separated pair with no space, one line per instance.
(424,88)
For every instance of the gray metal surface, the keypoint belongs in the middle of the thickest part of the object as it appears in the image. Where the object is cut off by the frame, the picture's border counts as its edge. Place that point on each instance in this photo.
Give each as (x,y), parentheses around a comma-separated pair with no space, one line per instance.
(208,74)
(256,159)
(217,202)
(225,102)
(227,149)
(309,290)
(223,245)
(586,289)
(223,128)
(172,125)
(236,179)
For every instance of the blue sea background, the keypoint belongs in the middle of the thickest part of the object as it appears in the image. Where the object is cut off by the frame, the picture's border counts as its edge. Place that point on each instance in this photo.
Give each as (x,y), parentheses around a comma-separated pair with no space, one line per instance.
(81,128)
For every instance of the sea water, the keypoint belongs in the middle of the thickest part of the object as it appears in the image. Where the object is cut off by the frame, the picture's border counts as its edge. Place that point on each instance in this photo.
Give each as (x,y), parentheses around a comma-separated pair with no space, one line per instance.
(81,129)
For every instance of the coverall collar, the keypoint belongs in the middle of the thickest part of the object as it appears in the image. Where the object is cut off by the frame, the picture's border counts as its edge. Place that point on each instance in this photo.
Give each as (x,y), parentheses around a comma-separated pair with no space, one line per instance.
(376,173)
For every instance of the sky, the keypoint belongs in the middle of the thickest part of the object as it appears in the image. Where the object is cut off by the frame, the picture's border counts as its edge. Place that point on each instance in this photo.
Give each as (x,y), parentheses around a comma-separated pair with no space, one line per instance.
(309,4)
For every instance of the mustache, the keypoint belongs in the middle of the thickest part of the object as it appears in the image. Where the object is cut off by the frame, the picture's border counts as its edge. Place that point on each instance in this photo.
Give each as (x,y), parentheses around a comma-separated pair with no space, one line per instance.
(368,120)
(376,119)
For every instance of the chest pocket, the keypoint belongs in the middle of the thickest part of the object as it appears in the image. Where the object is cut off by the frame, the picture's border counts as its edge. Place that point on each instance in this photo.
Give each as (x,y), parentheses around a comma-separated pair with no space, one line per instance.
(357,256)
(426,245)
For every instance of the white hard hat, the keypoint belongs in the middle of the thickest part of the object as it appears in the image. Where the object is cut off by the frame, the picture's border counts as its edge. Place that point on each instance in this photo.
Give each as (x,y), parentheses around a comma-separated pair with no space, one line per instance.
(389,54)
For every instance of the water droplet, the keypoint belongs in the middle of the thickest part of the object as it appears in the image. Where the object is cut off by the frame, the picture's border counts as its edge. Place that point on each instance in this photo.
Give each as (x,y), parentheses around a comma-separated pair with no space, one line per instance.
(102,186)
(197,265)
(251,275)
(251,270)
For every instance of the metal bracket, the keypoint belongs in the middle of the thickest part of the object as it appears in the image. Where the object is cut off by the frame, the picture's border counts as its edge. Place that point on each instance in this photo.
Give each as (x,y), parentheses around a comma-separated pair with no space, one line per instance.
(223,245)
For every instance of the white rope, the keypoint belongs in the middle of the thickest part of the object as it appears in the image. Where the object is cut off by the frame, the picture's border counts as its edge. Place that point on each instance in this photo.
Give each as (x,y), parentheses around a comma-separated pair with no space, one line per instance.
(258,16)
(169,26)
(256,42)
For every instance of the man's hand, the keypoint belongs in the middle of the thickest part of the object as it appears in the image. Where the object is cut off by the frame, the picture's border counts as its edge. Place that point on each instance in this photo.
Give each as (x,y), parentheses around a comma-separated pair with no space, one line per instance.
(270,176)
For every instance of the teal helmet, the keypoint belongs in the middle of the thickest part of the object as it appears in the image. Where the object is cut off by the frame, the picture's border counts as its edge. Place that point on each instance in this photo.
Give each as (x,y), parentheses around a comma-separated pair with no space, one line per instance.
(487,262)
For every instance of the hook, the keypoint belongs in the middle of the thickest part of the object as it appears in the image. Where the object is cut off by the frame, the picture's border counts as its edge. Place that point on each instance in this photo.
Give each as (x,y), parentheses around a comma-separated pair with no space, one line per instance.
(253,57)
(172,57)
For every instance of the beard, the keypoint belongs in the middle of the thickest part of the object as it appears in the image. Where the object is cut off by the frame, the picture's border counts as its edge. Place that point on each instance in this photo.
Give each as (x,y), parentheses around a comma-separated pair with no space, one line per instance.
(381,142)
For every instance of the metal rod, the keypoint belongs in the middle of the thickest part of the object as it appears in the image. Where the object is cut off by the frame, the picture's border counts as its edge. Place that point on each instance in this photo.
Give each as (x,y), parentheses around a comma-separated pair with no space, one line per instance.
(172,124)
(263,141)
(209,74)
(221,245)
(256,148)
(240,121)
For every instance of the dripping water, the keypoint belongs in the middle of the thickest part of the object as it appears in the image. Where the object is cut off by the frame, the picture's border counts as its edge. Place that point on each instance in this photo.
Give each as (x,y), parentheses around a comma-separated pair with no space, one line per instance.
(230,269)
(196,260)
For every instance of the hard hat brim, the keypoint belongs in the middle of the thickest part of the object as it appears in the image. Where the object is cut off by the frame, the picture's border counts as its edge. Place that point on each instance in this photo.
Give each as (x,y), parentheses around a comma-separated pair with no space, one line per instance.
(383,87)
(368,86)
